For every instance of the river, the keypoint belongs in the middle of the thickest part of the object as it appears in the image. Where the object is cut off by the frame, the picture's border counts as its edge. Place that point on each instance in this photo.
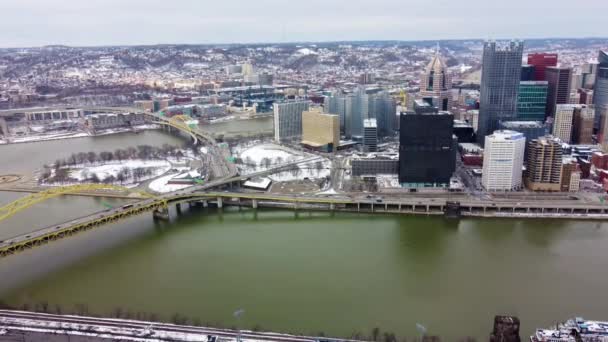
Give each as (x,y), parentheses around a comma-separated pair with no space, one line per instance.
(315,272)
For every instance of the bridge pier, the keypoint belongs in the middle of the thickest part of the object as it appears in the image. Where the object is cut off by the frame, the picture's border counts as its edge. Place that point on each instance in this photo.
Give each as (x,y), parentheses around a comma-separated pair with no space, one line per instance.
(178,207)
(254,204)
(161,213)
(220,204)
(332,207)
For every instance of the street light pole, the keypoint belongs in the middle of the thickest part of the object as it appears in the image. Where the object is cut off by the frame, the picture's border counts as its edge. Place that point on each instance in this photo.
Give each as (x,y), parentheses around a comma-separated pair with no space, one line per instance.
(237,314)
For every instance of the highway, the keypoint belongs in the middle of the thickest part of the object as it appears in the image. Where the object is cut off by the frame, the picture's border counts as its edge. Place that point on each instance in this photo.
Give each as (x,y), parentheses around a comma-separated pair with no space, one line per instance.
(127,329)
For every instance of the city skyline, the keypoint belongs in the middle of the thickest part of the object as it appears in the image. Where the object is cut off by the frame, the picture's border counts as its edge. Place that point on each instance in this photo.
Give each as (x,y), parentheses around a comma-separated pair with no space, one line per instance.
(68,22)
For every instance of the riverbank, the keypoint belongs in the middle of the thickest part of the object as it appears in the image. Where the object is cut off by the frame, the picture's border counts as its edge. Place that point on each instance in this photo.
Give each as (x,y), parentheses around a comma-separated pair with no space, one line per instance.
(73,135)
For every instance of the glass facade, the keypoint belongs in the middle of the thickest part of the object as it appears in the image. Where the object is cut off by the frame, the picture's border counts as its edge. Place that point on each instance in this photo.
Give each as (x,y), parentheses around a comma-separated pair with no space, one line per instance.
(532,101)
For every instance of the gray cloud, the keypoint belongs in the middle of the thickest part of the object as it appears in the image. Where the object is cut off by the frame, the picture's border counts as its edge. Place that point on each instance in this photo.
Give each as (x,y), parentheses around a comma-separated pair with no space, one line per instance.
(106,22)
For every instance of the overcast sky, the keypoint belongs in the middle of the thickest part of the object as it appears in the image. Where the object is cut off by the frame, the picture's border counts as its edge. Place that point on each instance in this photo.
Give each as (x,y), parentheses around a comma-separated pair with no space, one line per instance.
(113,22)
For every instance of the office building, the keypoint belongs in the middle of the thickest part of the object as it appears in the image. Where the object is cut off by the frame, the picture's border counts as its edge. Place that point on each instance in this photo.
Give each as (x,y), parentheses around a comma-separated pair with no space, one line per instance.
(527,72)
(541,61)
(464,132)
(501,71)
(375,165)
(503,159)
(367,78)
(336,104)
(532,100)
(569,117)
(320,131)
(530,129)
(582,125)
(436,84)
(558,91)
(370,135)
(600,90)
(562,124)
(471,117)
(544,164)
(571,176)
(427,148)
(602,136)
(288,120)
(383,107)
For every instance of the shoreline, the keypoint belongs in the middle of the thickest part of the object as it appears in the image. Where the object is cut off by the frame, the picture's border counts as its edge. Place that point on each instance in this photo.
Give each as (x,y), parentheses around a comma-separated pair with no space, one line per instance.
(76,135)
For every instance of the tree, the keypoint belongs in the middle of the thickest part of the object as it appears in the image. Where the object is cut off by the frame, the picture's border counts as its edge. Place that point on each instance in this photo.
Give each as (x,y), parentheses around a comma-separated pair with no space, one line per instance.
(94,178)
(265,162)
(375,333)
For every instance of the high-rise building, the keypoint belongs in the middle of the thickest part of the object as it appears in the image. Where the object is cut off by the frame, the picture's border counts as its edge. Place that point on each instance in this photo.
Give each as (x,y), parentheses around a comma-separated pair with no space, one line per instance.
(602,137)
(600,90)
(427,148)
(541,61)
(558,92)
(336,104)
(383,107)
(562,124)
(503,159)
(532,100)
(370,135)
(288,120)
(530,129)
(571,176)
(544,164)
(501,71)
(436,84)
(320,131)
(582,125)
(527,72)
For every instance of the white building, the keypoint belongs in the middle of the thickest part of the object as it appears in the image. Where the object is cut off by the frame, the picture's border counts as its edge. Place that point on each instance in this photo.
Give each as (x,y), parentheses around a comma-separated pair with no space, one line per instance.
(503,159)
(288,120)
(562,125)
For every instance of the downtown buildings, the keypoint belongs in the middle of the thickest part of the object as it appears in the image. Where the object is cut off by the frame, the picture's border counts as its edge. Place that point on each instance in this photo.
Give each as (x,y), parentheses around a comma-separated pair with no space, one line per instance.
(436,84)
(288,120)
(600,91)
(544,164)
(558,91)
(500,77)
(427,148)
(532,100)
(503,159)
(320,131)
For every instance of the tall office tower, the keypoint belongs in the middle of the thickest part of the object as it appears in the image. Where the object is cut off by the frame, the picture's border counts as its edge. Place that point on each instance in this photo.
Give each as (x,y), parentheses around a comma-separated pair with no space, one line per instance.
(541,61)
(436,84)
(501,71)
(532,100)
(582,125)
(336,104)
(370,135)
(558,91)
(503,158)
(383,107)
(600,90)
(602,137)
(320,131)
(544,164)
(288,120)
(357,110)
(427,148)
(562,124)
(527,72)
(586,96)
(589,74)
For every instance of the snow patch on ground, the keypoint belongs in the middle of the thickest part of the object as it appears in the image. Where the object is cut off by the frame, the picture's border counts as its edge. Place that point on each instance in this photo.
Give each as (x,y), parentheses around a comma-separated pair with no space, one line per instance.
(160,185)
(112,169)
(45,137)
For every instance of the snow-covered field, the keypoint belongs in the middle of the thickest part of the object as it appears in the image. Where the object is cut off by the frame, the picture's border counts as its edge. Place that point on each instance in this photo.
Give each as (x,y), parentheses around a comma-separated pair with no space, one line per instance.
(45,137)
(262,156)
(160,185)
(158,167)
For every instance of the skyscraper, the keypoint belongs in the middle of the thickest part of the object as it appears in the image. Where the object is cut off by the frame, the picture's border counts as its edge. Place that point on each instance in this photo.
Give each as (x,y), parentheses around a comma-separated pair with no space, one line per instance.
(544,164)
(532,100)
(383,108)
(370,135)
(436,83)
(562,124)
(503,158)
(527,72)
(427,148)
(320,131)
(541,61)
(288,120)
(501,71)
(336,104)
(582,125)
(600,91)
(558,91)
